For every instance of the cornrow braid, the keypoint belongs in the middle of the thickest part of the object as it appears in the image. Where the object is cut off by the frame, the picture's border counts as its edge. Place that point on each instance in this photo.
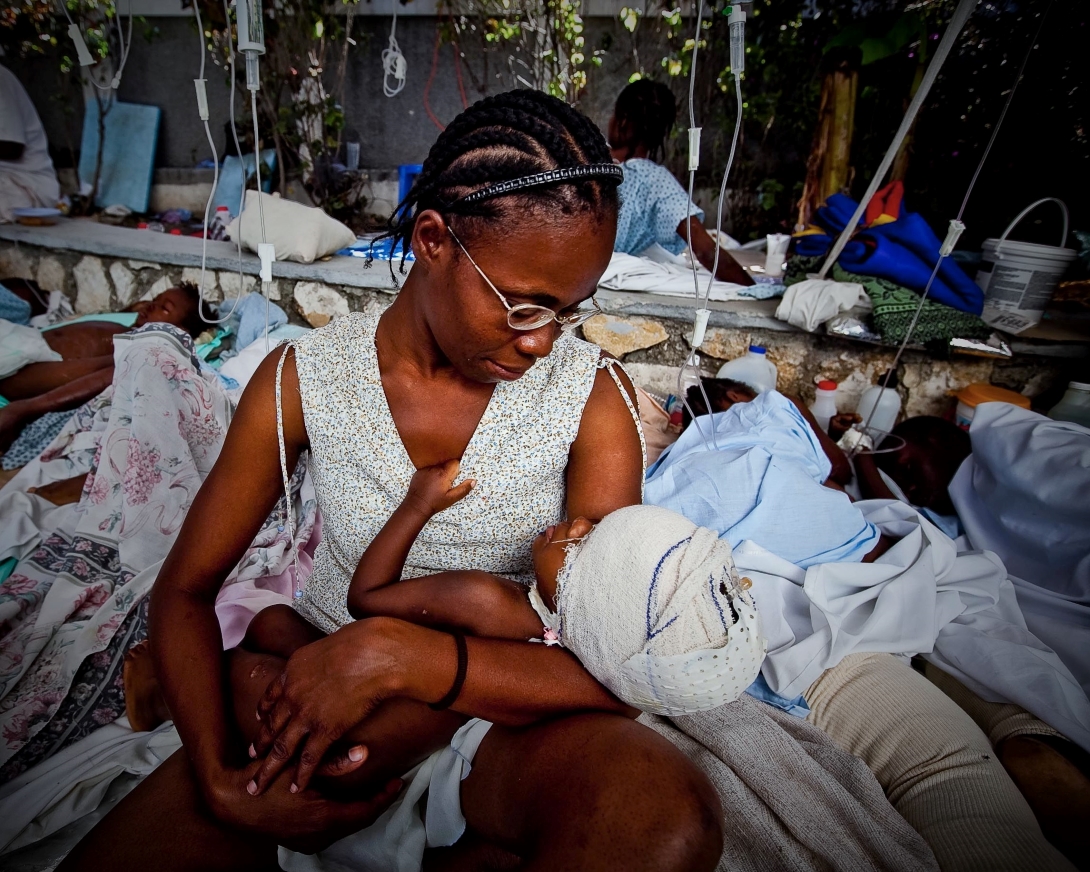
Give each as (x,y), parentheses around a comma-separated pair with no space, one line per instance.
(498,139)
(650,110)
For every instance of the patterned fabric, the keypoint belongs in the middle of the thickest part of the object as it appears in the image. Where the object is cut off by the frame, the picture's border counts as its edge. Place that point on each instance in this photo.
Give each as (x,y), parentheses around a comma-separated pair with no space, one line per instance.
(361,469)
(67,601)
(34,439)
(894,307)
(653,204)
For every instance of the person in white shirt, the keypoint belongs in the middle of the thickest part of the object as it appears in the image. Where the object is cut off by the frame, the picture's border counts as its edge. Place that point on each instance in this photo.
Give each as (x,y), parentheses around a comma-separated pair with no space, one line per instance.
(27,177)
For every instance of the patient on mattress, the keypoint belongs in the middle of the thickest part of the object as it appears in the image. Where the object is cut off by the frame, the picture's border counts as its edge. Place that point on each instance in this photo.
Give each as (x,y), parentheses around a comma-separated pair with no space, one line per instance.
(61,367)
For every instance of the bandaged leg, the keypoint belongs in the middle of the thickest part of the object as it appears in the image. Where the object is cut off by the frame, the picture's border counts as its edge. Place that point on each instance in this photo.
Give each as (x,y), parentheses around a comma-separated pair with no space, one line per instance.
(936,766)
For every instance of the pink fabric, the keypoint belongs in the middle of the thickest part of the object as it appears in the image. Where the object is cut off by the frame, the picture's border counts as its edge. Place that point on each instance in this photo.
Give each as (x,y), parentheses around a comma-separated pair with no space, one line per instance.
(237,603)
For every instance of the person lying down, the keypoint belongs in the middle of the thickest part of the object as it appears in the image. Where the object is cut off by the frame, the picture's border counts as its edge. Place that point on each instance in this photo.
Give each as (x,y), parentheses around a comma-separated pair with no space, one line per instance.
(61,367)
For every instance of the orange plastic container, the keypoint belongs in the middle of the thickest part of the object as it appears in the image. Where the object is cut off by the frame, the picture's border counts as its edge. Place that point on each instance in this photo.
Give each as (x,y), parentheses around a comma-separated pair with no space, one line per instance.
(971,396)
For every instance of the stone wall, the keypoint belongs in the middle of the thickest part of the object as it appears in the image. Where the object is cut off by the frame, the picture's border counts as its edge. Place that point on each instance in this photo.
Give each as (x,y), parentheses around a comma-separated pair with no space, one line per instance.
(652,347)
(98,284)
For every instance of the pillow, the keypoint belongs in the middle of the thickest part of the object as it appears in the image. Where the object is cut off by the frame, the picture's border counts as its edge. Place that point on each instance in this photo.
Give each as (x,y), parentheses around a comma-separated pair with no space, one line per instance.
(299,233)
(20,346)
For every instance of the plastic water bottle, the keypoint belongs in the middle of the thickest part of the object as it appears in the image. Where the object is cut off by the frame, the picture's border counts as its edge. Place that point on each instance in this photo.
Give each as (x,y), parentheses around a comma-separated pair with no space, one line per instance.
(753,368)
(885,403)
(824,405)
(1074,406)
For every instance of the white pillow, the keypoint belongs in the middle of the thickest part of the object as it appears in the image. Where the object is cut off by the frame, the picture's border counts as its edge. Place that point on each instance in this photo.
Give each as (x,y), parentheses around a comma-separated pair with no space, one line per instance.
(20,346)
(297,232)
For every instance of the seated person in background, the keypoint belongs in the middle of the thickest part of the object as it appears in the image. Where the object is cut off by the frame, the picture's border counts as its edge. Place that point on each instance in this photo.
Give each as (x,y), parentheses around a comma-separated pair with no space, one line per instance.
(86,353)
(26,172)
(654,206)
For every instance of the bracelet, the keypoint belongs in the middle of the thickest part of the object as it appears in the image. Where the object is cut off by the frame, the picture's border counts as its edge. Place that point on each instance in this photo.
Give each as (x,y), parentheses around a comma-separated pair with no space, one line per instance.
(459,676)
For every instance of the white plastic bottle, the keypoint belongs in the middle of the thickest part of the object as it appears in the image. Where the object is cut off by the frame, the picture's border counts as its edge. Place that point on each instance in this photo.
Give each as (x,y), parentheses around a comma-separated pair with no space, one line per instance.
(885,403)
(753,368)
(824,405)
(1074,406)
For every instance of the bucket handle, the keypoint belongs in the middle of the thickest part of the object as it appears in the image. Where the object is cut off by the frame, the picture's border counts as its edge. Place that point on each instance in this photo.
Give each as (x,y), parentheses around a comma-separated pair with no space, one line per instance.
(1025,212)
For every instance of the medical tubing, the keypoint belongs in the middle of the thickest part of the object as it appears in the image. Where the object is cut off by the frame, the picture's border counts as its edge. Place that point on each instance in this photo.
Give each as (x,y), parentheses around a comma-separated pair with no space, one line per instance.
(694,160)
(393,63)
(260,211)
(215,175)
(957,23)
(961,211)
(723,188)
(116,80)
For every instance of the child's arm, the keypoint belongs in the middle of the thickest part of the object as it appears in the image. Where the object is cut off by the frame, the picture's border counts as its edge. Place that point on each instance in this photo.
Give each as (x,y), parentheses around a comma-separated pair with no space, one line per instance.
(729,270)
(430,492)
(476,603)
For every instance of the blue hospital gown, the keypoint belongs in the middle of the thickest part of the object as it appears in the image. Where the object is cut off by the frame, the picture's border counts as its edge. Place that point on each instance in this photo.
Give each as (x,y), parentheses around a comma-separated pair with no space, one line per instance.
(764,483)
(653,204)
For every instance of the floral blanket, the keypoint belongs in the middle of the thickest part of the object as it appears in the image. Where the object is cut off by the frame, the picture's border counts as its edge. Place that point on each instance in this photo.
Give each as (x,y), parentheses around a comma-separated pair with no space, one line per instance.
(77,602)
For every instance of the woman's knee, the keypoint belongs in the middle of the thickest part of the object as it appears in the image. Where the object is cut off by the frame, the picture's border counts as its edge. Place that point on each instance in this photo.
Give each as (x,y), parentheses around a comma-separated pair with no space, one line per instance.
(268,626)
(623,796)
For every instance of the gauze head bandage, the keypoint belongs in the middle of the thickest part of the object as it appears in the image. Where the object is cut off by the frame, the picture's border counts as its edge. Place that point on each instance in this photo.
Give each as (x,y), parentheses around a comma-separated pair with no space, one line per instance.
(653,607)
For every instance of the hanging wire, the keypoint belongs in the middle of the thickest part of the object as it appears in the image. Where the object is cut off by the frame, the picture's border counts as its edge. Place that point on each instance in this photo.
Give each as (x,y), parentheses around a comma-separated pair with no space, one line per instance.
(961,210)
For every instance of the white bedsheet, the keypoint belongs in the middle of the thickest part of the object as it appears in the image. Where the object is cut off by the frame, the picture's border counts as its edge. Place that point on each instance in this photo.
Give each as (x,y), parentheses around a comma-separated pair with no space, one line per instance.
(921,597)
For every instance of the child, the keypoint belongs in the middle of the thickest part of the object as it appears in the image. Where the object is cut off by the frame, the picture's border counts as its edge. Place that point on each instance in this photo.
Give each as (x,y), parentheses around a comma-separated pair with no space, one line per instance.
(76,361)
(649,602)
(654,207)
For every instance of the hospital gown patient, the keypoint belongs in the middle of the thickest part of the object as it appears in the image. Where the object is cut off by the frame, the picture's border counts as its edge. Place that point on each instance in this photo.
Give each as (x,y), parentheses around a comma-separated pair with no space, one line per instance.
(27,178)
(654,206)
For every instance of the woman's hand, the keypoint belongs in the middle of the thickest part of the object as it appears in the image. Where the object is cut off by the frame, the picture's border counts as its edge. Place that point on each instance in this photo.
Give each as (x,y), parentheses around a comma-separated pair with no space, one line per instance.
(326,688)
(304,821)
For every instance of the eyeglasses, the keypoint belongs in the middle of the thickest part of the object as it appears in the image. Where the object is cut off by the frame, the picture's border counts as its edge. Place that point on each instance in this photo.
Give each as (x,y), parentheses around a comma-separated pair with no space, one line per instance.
(526,316)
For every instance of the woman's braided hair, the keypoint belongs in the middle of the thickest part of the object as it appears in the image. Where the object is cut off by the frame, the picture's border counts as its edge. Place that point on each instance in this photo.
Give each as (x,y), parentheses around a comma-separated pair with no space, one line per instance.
(500,138)
(649,110)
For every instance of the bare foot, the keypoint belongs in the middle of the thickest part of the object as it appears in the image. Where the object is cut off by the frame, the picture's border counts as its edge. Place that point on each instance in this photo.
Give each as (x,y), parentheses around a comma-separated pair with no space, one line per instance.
(144,703)
(1057,790)
(61,493)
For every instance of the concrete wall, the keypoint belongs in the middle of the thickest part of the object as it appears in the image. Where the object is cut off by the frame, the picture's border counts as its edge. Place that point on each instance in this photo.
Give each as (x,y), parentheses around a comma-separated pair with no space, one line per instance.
(651,346)
(392,131)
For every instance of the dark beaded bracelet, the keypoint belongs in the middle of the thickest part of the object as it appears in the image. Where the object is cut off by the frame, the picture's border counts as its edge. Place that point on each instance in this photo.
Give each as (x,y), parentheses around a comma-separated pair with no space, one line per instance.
(459,676)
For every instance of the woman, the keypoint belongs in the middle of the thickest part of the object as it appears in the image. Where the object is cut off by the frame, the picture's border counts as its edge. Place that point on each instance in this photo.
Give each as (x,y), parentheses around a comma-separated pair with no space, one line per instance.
(654,207)
(545,432)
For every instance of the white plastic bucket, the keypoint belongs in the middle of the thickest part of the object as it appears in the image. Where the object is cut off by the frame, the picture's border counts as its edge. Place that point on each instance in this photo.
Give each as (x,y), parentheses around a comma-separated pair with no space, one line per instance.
(1019,278)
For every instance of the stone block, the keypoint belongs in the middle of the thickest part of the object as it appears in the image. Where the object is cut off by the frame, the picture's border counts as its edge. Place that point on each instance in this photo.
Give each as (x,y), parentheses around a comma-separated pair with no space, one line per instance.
(92,286)
(124,283)
(619,336)
(15,262)
(318,303)
(210,290)
(163,283)
(52,276)
(230,285)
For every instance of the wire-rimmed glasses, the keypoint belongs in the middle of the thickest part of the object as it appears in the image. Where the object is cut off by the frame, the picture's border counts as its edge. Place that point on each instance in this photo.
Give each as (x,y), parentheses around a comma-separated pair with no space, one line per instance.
(527,316)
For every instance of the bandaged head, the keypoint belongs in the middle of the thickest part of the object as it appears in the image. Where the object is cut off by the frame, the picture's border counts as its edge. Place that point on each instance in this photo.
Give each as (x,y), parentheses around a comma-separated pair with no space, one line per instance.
(653,607)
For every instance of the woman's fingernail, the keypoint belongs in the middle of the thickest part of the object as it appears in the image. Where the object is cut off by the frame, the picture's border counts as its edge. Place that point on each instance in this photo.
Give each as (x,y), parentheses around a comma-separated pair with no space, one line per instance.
(355,753)
(251,788)
(394,786)
(294,788)
(253,752)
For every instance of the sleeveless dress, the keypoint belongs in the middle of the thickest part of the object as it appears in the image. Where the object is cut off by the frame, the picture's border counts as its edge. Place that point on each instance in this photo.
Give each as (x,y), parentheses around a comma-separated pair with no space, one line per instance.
(518,456)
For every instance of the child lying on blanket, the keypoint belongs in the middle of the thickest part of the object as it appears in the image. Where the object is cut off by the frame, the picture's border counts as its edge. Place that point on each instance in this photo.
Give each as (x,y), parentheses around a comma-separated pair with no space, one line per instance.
(87,359)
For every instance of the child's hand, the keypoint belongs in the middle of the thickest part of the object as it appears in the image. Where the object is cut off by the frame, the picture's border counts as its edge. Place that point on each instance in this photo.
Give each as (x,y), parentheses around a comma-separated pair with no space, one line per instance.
(431,491)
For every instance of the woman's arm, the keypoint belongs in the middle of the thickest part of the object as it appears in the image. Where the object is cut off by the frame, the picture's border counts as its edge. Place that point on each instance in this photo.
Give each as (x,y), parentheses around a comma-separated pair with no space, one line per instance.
(185,636)
(841,472)
(729,270)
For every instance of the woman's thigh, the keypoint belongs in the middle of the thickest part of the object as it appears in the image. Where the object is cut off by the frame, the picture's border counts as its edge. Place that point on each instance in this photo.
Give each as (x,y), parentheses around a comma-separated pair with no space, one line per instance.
(164,825)
(590,792)
(935,765)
